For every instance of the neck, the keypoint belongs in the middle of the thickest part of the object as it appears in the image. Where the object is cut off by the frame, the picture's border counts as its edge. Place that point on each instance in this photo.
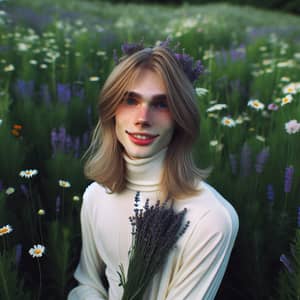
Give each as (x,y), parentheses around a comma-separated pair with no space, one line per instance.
(144,174)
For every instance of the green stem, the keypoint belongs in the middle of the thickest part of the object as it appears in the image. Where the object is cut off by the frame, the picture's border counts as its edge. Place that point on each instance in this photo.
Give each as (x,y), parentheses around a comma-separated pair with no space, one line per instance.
(40,280)
(4,286)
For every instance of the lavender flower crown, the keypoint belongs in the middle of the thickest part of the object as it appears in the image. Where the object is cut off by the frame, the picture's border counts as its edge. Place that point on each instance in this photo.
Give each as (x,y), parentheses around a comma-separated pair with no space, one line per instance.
(192,69)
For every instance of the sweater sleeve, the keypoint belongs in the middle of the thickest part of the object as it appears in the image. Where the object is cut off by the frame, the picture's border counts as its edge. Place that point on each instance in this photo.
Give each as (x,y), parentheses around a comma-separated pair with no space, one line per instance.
(205,257)
(90,265)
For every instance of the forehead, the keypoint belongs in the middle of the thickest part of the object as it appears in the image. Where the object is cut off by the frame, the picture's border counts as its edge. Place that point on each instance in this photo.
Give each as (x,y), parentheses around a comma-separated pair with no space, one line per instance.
(147,82)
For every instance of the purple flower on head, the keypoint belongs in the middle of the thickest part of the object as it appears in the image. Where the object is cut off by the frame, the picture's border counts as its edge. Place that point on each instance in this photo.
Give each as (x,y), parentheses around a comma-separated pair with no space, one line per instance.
(270,193)
(187,62)
(261,160)
(288,178)
(130,48)
(18,253)
(286,263)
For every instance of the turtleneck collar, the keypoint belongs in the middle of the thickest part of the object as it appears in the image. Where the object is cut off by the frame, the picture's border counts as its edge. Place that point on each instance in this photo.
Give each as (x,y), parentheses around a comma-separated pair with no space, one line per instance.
(144,174)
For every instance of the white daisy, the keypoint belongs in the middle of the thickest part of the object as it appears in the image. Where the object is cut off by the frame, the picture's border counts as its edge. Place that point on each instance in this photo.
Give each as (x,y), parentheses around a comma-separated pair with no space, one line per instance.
(5,229)
(28,173)
(64,183)
(256,104)
(37,250)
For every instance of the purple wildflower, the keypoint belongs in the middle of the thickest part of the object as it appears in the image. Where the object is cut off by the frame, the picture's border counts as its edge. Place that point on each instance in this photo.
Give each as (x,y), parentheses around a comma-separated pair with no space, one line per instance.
(288,177)
(63,92)
(270,193)
(76,146)
(286,263)
(298,216)
(54,140)
(115,57)
(261,159)
(273,106)
(68,143)
(24,89)
(57,204)
(245,160)
(19,248)
(78,91)
(233,163)
(89,116)
(62,135)
(1,185)
(45,94)
(24,189)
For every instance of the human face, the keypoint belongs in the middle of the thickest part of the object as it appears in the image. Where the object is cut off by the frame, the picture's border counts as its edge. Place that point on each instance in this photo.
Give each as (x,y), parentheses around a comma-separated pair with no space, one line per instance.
(144,124)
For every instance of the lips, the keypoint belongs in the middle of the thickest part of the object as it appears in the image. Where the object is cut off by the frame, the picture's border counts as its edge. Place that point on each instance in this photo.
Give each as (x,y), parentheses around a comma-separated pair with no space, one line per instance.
(142,139)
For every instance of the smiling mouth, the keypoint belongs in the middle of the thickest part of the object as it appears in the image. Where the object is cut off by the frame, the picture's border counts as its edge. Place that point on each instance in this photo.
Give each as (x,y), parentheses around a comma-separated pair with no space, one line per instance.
(142,139)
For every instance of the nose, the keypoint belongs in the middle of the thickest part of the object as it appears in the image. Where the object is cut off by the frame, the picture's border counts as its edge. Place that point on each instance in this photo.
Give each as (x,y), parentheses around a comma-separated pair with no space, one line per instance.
(143,117)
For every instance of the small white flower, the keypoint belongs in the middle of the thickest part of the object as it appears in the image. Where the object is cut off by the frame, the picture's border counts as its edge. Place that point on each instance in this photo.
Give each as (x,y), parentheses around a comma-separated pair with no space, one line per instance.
(256,104)
(23,47)
(213,143)
(201,91)
(33,62)
(285,79)
(292,127)
(229,122)
(10,191)
(76,198)
(94,78)
(28,173)
(215,107)
(41,212)
(64,184)
(287,99)
(1,121)
(100,53)
(9,68)
(43,66)
(291,88)
(260,138)
(5,229)
(37,250)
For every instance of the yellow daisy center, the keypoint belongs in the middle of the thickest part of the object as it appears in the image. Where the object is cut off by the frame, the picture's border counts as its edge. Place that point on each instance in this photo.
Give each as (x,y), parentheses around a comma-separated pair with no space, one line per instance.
(3,230)
(227,121)
(37,251)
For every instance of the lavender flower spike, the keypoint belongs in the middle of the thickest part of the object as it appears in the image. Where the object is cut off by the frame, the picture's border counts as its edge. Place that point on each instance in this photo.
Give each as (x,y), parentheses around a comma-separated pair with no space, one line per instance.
(298,216)
(18,253)
(261,160)
(270,193)
(289,171)
(286,263)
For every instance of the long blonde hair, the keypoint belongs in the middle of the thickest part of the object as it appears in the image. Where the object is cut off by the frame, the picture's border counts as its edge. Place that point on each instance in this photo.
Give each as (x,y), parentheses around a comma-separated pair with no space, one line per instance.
(105,163)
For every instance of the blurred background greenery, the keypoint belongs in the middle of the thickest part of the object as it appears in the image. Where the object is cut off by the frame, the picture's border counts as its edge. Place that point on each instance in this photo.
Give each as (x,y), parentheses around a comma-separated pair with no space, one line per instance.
(54,58)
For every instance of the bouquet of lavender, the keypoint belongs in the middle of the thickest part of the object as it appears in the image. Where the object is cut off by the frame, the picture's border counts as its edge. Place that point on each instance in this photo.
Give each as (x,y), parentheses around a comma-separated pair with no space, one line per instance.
(155,231)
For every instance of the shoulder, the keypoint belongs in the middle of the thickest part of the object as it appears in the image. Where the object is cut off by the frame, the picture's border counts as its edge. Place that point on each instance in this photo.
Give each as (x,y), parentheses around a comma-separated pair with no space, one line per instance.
(210,212)
(93,193)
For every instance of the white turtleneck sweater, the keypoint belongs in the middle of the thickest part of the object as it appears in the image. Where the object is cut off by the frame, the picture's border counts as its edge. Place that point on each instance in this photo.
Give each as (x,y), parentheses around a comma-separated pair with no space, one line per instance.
(193,270)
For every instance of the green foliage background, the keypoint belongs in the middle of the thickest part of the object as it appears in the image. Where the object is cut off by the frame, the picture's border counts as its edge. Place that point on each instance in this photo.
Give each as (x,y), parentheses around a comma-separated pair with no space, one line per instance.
(54,58)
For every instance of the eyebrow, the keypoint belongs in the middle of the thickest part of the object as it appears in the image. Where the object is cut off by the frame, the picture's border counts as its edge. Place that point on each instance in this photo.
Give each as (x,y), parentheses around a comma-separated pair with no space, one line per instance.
(154,97)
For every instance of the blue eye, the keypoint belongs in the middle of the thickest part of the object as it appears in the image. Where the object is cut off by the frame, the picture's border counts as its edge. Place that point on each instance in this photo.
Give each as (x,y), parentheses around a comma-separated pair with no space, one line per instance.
(130,101)
(161,105)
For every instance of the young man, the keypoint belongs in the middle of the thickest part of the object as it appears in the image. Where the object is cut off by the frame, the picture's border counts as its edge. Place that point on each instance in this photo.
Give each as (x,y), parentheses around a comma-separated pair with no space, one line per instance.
(148,123)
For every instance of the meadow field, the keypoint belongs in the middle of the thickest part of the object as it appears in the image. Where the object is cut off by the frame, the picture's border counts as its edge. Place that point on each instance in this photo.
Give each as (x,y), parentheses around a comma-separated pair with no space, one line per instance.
(54,58)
